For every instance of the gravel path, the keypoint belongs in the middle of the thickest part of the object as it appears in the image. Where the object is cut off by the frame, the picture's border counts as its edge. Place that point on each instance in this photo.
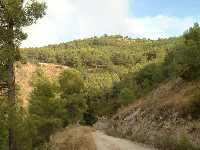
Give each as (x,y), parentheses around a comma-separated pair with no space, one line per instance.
(105,142)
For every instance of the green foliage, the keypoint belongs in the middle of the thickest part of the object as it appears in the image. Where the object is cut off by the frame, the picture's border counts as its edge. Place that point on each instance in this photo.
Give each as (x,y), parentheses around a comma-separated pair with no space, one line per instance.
(102,52)
(98,91)
(148,76)
(21,126)
(14,15)
(71,87)
(71,82)
(192,107)
(104,62)
(123,58)
(184,61)
(54,104)
(139,83)
(46,109)
(75,106)
(127,96)
(3,123)
(185,144)
(167,142)
(114,71)
(89,118)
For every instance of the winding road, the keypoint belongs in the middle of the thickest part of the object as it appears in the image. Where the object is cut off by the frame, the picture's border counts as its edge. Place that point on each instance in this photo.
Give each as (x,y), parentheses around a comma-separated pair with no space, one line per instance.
(105,142)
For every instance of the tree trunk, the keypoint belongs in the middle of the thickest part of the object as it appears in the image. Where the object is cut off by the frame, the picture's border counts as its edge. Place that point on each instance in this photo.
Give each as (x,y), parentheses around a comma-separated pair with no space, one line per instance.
(11,88)
(12,102)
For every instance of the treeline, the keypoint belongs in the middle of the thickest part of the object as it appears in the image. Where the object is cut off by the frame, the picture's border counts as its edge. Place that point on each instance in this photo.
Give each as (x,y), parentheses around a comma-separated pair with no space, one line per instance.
(102,52)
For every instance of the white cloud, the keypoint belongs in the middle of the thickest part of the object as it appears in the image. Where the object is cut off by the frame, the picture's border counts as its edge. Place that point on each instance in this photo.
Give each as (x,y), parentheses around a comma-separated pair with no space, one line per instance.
(158,26)
(73,19)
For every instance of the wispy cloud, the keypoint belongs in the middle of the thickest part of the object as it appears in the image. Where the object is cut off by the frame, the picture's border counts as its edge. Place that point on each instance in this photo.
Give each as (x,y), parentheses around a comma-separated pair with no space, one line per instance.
(159,26)
(73,19)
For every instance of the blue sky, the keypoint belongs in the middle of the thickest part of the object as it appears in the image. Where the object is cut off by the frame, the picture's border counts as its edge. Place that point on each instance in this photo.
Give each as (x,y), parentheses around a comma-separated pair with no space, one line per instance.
(178,8)
(67,20)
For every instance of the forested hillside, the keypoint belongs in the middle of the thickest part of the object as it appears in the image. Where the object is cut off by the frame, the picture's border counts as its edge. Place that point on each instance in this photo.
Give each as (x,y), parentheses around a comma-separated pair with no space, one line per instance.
(165,113)
(101,52)
(97,77)
(103,63)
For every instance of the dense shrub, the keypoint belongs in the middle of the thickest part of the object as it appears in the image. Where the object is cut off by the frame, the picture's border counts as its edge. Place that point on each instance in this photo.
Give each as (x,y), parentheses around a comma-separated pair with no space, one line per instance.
(192,107)
(54,104)
(75,106)
(127,96)
(148,76)
(184,60)
(89,118)
(167,142)
(71,82)
(46,110)
(138,83)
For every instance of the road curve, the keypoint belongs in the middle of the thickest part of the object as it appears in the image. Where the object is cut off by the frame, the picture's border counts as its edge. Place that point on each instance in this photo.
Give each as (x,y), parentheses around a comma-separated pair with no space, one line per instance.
(105,142)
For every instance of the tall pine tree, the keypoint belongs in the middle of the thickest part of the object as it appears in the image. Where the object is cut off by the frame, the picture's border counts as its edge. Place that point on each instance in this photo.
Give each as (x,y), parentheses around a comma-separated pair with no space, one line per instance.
(14,15)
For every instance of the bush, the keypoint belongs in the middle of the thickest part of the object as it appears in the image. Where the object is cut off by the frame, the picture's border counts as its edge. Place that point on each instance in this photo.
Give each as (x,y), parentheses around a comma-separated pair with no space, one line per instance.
(147,77)
(46,110)
(184,60)
(167,142)
(192,108)
(89,118)
(185,144)
(55,105)
(71,87)
(139,83)
(75,106)
(70,82)
(126,96)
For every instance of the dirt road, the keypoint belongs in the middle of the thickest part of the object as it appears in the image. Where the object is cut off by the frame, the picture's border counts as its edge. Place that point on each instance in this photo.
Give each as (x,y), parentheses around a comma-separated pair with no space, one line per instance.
(105,142)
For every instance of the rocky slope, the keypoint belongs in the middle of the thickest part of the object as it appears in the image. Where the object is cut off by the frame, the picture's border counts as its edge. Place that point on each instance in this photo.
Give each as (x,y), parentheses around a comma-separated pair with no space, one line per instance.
(164,118)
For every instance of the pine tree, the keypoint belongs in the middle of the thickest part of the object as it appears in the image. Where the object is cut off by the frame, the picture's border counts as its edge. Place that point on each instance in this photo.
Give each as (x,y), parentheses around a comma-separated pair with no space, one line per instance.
(14,15)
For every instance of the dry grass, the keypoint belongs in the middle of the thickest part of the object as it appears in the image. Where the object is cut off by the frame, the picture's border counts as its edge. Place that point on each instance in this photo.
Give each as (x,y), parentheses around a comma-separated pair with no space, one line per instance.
(23,77)
(24,73)
(175,94)
(52,70)
(73,138)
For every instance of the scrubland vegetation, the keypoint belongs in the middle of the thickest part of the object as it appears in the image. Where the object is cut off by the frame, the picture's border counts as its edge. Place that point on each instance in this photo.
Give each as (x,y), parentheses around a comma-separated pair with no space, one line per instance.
(105,74)
(165,114)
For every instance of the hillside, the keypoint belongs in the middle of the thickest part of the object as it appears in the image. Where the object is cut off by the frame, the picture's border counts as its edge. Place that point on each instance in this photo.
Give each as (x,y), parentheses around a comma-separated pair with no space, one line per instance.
(135,91)
(101,52)
(166,118)
(104,62)
(147,89)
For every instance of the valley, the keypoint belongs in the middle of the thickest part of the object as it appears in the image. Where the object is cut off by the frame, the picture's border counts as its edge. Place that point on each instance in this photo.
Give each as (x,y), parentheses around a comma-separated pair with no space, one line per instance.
(135,90)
